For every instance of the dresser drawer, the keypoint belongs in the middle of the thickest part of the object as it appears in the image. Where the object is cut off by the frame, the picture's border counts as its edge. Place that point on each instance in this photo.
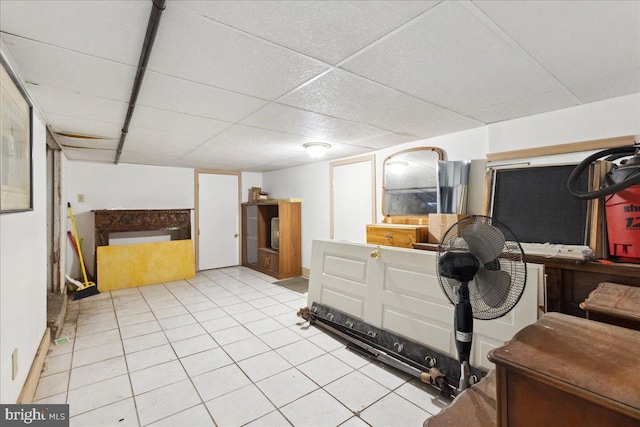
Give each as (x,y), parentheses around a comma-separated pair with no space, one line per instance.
(269,260)
(399,235)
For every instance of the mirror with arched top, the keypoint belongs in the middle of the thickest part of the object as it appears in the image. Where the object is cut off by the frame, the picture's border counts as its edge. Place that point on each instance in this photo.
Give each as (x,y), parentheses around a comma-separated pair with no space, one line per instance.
(410,182)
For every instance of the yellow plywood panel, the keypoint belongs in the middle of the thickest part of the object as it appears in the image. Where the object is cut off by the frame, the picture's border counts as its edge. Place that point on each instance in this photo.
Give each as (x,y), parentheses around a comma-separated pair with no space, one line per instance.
(126,266)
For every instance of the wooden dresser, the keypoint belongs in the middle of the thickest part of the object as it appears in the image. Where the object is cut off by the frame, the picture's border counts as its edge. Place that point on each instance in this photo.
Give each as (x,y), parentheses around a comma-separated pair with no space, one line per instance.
(614,304)
(399,235)
(568,371)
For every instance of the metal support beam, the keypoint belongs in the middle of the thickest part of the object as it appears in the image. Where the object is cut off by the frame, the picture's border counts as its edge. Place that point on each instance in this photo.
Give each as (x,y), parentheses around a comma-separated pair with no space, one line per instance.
(152,29)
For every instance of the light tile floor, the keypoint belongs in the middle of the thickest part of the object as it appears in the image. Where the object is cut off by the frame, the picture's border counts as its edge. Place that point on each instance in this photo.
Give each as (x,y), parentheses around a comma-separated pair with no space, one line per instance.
(223,349)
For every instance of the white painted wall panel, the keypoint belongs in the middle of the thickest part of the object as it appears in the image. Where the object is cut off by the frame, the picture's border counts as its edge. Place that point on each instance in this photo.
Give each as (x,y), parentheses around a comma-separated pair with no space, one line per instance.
(23,277)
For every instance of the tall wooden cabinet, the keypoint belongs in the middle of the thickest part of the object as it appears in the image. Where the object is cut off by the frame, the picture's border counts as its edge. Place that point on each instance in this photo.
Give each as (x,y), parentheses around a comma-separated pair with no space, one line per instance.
(282,260)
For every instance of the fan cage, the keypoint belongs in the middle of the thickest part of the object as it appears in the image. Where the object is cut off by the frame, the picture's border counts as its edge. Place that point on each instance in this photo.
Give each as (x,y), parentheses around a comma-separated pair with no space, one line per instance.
(511,260)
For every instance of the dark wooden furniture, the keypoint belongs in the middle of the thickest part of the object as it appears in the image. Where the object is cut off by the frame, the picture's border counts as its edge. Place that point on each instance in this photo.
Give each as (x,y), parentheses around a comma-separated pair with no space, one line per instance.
(257,249)
(124,220)
(569,283)
(474,407)
(614,304)
(567,371)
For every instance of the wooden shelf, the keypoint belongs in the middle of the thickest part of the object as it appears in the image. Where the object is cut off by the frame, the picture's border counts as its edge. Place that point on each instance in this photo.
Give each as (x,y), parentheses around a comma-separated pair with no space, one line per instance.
(257,253)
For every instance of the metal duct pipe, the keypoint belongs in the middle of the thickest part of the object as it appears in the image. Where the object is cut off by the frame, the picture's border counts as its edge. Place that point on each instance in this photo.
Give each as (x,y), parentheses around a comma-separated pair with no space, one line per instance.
(149,38)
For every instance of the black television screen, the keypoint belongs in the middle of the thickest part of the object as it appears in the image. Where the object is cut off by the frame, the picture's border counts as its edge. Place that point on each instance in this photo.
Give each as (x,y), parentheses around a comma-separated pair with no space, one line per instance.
(534,203)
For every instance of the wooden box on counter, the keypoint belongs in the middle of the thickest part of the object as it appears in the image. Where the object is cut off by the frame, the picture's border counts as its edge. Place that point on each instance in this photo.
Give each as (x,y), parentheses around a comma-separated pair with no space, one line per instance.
(440,223)
(398,235)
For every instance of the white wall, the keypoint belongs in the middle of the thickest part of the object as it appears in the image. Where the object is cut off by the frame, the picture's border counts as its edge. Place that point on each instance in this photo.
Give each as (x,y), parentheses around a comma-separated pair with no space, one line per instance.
(249,179)
(311,184)
(23,277)
(598,120)
(124,186)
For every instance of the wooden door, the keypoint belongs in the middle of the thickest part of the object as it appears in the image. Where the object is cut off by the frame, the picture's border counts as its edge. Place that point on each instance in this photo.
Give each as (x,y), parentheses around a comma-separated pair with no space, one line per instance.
(218,220)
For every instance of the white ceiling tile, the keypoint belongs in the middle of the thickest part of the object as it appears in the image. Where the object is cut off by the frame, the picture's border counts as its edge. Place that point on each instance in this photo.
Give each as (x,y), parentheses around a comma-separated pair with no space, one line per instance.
(95,143)
(90,155)
(525,107)
(174,94)
(329,31)
(450,58)
(146,140)
(216,67)
(452,124)
(169,121)
(44,65)
(158,159)
(70,124)
(608,87)
(577,41)
(107,29)
(196,48)
(239,136)
(387,140)
(216,160)
(67,103)
(342,95)
(283,118)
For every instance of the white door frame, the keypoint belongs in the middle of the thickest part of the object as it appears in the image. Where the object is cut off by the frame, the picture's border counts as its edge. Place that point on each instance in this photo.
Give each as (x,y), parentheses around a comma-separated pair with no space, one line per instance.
(197,209)
(370,158)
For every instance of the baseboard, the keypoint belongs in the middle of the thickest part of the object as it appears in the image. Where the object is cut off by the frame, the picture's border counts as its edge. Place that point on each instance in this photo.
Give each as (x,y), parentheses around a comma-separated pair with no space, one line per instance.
(306,272)
(31,383)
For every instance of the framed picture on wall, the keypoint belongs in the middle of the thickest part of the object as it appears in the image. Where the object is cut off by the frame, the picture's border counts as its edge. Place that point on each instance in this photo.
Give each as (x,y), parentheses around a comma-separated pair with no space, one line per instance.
(16,175)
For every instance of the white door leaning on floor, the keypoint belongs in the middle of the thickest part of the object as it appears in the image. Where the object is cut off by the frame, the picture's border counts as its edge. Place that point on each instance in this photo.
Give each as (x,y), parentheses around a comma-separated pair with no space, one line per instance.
(218,221)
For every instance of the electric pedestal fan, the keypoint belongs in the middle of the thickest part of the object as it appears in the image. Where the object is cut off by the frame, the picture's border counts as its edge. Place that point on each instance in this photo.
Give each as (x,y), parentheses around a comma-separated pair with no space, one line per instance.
(482,271)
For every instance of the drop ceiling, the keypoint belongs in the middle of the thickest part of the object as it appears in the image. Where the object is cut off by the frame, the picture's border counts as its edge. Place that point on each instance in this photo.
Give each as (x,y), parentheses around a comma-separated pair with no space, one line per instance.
(242,85)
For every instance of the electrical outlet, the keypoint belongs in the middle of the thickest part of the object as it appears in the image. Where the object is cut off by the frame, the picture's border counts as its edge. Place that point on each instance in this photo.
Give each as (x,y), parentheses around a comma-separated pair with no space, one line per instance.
(14,364)
(80,198)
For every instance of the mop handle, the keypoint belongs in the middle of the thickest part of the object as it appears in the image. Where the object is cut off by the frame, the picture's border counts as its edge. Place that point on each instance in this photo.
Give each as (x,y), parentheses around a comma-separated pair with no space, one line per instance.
(75,234)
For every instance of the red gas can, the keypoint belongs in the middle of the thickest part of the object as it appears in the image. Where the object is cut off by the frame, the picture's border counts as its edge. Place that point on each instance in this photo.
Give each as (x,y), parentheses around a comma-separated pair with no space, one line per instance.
(623,224)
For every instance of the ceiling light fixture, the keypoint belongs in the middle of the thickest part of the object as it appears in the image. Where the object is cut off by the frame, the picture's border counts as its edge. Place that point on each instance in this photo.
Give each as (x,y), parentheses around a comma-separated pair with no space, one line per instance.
(317,149)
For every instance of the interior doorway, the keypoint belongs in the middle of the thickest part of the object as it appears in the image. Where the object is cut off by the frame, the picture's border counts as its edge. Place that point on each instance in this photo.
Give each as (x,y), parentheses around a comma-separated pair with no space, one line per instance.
(353,200)
(217,219)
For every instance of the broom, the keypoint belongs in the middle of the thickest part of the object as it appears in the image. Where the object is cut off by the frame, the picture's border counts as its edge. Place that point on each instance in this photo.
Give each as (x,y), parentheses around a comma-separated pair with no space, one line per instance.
(87,288)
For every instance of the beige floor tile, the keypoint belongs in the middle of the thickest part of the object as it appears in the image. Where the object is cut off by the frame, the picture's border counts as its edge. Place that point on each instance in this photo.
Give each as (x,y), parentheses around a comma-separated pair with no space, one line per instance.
(221,381)
(52,385)
(320,409)
(150,357)
(393,410)
(121,413)
(197,416)
(297,385)
(239,407)
(99,394)
(96,372)
(205,361)
(193,345)
(157,376)
(169,400)
(356,391)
